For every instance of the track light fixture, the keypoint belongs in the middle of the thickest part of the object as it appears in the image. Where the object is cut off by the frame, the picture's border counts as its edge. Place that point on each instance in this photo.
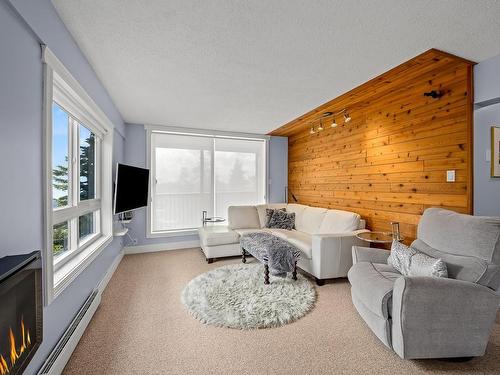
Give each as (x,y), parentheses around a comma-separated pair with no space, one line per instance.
(334,124)
(347,118)
(320,127)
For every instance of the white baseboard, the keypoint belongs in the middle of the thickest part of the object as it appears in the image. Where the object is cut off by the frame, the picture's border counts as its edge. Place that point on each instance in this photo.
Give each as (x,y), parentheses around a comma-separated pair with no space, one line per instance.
(105,280)
(161,247)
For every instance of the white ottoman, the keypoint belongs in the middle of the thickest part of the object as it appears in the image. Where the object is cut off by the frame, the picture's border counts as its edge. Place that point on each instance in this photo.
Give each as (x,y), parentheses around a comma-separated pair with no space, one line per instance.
(219,241)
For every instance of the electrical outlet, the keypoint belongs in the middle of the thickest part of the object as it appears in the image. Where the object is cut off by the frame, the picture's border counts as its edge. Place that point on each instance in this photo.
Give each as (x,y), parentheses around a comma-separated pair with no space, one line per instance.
(450,176)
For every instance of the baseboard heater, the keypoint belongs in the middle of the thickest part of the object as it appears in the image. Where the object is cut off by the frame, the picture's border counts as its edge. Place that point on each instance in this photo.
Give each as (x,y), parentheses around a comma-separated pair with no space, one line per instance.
(62,351)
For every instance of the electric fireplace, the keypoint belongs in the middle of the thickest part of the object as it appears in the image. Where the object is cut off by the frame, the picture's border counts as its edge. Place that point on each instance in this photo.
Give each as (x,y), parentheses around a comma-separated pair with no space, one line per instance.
(20,311)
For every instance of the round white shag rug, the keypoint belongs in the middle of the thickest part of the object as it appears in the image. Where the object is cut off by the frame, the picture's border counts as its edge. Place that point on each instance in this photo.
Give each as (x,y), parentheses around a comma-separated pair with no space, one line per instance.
(235,296)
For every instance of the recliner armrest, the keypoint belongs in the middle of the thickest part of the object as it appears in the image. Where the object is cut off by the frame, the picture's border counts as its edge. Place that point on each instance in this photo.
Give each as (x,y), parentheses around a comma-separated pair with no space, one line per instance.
(369,254)
(439,317)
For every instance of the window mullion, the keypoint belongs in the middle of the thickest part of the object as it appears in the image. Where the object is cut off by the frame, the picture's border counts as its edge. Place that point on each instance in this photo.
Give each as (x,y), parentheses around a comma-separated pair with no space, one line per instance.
(212,174)
(98,169)
(73,222)
(65,214)
(76,165)
(70,162)
(73,238)
(153,181)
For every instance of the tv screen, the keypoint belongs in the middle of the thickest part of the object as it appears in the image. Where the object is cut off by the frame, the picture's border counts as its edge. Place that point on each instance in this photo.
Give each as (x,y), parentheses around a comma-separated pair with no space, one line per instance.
(131,188)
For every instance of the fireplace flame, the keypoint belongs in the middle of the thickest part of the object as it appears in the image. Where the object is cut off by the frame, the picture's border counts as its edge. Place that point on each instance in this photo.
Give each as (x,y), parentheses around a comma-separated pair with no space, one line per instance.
(15,351)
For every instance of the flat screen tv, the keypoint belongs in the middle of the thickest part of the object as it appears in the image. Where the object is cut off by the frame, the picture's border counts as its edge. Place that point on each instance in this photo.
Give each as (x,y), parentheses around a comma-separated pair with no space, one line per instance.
(131,188)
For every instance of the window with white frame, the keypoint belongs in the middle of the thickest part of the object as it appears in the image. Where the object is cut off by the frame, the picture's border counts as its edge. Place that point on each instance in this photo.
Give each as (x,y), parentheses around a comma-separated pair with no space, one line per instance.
(192,173)
(78,161)
(75,186)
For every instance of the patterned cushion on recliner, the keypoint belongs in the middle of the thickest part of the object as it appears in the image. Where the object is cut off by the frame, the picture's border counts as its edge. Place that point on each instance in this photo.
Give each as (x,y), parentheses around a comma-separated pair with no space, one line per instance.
(400,257)
(410,262)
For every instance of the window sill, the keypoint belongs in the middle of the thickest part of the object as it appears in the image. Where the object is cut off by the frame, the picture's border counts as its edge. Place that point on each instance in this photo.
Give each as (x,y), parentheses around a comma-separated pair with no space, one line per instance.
(173,233)
(65,275)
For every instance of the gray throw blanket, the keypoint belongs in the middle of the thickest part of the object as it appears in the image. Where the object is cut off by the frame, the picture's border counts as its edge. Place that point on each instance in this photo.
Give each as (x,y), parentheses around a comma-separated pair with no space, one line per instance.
(276,252)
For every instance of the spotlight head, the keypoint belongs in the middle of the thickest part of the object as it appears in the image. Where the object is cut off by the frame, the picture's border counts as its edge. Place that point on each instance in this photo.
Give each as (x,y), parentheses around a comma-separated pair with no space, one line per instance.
(312,130)
(334,124)
(347,118)
(320,127)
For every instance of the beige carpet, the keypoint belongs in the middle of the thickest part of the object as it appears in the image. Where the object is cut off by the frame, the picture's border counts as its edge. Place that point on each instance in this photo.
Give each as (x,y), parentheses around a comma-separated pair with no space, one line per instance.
(141,327)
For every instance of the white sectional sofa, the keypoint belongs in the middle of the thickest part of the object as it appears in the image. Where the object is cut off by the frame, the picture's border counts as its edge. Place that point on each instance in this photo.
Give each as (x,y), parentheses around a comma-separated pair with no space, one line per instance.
(325,237)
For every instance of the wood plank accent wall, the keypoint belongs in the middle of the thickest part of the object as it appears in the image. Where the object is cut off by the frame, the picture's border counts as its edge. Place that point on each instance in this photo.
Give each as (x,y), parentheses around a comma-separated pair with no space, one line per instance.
(389,162)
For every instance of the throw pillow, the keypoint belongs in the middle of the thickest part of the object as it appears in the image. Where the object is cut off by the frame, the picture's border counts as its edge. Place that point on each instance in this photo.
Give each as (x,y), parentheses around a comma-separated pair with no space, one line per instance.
(269,214)
(400,257)
(410,262)
(282,220)
(424,265)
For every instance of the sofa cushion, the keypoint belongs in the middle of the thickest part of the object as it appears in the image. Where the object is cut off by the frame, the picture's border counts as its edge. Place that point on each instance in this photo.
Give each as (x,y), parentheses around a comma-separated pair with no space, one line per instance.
(243,217)
(302,241)
(281,233)
(242,232)
(310,220)
(217,235)
(296,208)
(372,283)
(261,211)
(338,221)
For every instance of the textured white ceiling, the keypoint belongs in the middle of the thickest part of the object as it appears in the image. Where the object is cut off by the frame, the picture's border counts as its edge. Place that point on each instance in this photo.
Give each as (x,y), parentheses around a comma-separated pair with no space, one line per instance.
(253,65)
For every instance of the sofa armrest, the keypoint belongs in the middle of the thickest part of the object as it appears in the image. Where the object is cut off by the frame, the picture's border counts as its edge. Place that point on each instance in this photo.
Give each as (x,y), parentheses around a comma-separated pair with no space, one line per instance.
(369,254)
(343,234)
(331,253)
(441,318)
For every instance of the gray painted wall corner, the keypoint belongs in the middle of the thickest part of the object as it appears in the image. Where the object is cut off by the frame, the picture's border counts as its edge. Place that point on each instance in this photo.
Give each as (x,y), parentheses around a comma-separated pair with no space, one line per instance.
(487,94)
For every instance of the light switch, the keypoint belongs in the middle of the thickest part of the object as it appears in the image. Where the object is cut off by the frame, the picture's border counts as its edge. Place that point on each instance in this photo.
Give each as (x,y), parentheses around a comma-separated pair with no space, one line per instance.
(450,176)
(488,156)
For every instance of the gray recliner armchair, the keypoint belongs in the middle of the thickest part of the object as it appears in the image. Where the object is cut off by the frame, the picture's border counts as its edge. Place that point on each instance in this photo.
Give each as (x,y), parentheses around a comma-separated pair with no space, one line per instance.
(430,317)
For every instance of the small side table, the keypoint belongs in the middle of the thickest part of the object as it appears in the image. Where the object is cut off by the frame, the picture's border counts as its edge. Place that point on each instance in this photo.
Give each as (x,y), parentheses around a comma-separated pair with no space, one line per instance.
(215,219)
(377,237)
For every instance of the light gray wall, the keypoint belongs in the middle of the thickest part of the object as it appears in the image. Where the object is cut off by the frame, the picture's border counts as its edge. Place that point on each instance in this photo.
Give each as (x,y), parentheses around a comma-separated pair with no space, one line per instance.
(487,95)
(487,80)
(278,169)
(21,198)
(135,154)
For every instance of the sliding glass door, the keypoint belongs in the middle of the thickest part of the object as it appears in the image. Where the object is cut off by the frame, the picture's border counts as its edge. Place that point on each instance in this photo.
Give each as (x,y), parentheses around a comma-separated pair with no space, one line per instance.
(182,181)
(195,173)
(239,173)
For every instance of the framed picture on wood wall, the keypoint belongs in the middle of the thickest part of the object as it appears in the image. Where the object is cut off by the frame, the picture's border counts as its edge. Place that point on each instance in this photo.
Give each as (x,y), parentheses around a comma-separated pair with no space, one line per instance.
(495,151)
